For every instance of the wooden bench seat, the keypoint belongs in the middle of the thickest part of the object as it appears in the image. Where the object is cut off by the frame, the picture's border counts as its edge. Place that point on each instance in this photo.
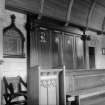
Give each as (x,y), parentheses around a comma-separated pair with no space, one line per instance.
(85,82)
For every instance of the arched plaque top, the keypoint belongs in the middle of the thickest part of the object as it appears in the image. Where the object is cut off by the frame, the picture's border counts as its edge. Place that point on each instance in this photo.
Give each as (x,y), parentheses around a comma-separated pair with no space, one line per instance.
(13,40)
(12,28)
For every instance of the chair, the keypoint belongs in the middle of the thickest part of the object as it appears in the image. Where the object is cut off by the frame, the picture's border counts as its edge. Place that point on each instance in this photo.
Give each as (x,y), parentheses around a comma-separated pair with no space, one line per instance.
(13,93)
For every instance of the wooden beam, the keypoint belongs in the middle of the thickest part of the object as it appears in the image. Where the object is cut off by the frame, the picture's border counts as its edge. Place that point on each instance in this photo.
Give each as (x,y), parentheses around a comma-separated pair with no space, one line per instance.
(69,12)
(41,9)
(103,25)
(92,6)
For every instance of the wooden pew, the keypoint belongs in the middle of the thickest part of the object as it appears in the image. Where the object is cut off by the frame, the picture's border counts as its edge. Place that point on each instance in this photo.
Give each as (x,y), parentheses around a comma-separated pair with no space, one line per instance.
(87,85)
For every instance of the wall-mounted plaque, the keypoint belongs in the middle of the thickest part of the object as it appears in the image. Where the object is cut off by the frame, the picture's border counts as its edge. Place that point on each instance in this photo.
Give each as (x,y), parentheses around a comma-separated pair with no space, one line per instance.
(13,40)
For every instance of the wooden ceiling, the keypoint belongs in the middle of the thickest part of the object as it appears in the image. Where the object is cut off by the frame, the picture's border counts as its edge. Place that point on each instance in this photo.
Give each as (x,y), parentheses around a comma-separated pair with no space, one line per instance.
(86,13)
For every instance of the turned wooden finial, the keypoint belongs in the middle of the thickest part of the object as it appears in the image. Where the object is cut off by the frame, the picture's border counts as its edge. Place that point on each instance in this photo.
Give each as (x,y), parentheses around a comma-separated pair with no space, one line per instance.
(13,17)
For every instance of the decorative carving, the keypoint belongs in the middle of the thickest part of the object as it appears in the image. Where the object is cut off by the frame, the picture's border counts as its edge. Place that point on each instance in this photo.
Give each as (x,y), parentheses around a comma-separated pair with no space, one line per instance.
(48,83)
(13,40)
(43,37)
(85,37)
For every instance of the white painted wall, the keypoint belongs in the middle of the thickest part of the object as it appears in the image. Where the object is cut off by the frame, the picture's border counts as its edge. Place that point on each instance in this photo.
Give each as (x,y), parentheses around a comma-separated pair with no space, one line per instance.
(11,66)
(2,9)
(97,41)
(15,66)
(100,58)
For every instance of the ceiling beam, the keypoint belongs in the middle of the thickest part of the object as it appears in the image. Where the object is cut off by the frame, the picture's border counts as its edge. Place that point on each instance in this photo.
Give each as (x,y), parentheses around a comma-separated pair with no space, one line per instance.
(103,25)
(41,9)
(69,12)
(91,9)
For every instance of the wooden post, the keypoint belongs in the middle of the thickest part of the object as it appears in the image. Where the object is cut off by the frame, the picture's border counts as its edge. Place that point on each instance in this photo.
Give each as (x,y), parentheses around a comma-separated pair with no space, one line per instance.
(41,9)
(92,6)
(85,38)
(77,101)
(69,12)
(84,50)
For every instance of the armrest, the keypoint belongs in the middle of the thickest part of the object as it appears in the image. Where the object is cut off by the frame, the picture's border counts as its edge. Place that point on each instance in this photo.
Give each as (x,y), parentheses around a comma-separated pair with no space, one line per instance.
(21,81)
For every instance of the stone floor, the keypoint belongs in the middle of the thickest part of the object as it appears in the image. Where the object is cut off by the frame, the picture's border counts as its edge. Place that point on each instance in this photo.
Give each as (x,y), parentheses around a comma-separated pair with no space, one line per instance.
(94,100)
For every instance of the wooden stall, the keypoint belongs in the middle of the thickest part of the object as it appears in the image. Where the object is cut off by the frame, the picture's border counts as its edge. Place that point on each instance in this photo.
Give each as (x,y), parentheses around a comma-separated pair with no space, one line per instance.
(65,87)
(46,86)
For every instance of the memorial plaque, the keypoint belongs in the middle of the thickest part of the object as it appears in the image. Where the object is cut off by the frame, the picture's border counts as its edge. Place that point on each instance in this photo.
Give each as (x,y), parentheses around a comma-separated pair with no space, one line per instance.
(13,41)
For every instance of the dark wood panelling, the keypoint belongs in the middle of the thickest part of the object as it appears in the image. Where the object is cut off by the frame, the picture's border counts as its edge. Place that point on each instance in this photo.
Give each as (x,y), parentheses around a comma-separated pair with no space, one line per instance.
(79,53)
(85,81)
(92,57)
(101,2)
(26,5)
(97,17)
(56,49)
(33,86)
(33,49)
(67,45)
(56,8)
(79,12)
(43,47)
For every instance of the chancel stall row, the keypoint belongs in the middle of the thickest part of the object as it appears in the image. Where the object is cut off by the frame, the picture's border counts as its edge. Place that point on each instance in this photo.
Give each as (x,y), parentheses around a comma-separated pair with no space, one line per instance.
(78,82)
(51,47)
(65,87)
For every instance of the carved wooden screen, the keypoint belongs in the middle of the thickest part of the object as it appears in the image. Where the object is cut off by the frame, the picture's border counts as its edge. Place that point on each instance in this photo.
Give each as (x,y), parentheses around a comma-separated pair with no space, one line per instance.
(56,49)
(44,49)
(13,40)
(49,90)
